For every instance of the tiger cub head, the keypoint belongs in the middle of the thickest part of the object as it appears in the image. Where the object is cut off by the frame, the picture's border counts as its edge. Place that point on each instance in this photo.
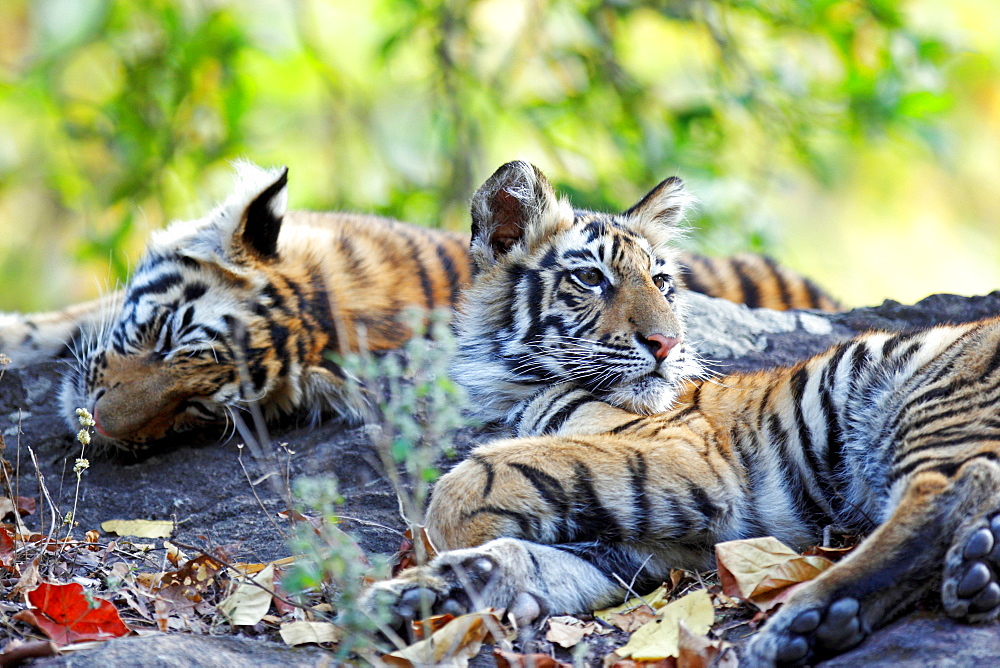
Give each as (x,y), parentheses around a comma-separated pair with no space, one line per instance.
(563,295)
(191,317)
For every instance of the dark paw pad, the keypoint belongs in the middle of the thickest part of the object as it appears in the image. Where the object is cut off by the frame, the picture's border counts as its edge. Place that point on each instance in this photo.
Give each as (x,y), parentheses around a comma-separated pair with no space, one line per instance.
(978,581)
(822,632)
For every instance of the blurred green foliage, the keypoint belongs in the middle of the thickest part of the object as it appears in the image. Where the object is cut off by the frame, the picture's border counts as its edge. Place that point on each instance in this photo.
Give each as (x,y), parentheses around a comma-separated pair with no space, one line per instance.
(118,116)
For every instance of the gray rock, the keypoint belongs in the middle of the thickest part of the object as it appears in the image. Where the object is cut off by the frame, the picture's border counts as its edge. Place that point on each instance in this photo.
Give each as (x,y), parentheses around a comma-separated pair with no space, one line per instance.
(180,651)
(204,488)
(924,639)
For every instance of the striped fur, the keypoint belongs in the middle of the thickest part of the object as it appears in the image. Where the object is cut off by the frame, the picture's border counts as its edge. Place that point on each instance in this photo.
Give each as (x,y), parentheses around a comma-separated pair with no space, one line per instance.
(251,286)
(622,474)
(897,434)
(247,288)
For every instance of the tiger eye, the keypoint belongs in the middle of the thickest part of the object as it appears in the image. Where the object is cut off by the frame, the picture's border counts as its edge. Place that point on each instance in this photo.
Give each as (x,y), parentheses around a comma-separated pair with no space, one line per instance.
(589,276)
(660,281)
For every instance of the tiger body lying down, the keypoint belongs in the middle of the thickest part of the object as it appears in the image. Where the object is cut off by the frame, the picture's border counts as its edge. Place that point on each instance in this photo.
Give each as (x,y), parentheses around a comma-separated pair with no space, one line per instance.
(893,433)
(224,309)
(245,303)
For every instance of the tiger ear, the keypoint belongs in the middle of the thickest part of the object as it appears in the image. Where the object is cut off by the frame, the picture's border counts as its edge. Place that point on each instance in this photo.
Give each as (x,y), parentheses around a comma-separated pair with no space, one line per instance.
(516,200)
(663,205)
(260,221)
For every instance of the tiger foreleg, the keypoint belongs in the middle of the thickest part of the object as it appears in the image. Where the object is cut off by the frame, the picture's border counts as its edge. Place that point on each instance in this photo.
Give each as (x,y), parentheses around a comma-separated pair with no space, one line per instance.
(523,578)
(898,563)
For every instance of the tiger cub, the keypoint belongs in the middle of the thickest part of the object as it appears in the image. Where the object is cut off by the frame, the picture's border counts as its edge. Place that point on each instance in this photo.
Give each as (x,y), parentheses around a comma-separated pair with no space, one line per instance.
(242,304)
(251,287)
(897,434)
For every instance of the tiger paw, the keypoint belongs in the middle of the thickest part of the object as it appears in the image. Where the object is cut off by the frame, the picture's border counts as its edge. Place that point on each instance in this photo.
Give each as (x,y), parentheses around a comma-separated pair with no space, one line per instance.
(970,589)
(798,637)
(454,583)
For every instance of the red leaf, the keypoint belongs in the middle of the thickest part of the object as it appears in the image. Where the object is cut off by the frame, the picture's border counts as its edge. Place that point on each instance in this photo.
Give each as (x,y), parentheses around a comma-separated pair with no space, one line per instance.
(64,614)
(6,549)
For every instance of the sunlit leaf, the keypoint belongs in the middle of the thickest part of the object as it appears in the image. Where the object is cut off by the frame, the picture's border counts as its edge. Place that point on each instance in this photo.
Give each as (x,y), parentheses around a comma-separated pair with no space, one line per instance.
(139,528)
(757,569)
(660,637)
(451,646)
(67,615)
(248,604)
(301,632)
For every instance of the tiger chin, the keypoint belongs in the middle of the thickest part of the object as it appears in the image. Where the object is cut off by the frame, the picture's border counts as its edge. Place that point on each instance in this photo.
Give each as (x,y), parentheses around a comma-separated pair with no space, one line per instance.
(245,306)
(894,435)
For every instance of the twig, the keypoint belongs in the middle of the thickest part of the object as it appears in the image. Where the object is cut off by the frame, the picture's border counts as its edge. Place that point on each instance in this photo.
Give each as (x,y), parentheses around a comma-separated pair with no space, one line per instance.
(253,489)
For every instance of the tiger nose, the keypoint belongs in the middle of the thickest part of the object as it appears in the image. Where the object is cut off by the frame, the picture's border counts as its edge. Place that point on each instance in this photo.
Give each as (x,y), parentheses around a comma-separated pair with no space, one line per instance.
(658,344)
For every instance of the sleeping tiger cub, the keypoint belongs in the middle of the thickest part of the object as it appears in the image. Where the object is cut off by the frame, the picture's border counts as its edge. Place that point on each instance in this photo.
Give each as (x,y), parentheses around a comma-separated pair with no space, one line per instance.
(897,434)
(251,287)
(244,288)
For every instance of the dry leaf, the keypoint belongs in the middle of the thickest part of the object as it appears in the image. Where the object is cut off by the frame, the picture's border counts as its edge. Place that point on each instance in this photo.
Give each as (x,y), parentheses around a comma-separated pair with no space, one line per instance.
(655,600)
(568,631)
(514,660)
(759,568)
(406,556)
(29,578)
(425,627)
(139,528)
(451,647)
(300,633)
(660,637)
(249,603)
(193,578)
(700,651)
(630,621)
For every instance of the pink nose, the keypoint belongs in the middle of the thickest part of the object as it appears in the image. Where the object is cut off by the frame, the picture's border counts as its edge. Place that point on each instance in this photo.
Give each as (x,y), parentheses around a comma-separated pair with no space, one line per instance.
(97,424)
(659,345)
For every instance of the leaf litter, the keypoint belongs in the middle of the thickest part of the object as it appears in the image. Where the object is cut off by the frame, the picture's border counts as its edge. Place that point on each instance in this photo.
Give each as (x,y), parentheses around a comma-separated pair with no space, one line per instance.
(67,592)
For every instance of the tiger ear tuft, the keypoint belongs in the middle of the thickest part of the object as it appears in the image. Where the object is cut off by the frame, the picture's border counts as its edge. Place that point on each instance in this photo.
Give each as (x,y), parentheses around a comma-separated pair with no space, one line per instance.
(664,205)
(515,199)
(262,217)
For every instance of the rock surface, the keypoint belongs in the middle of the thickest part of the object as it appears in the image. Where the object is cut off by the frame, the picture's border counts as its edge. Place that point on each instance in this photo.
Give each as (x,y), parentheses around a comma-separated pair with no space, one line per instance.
(204,488)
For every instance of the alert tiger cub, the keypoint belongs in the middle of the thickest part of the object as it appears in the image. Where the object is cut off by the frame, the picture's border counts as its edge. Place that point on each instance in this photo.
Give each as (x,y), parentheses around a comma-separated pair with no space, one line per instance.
(250,287)
(896,434)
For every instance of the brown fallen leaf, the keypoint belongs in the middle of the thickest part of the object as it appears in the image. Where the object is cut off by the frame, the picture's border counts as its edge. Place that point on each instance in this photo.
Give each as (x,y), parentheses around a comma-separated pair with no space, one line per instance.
(758,569)
(568,631)
(630,621)
(700,651)
(451,646)
(406,556)
(515,660)
(660,637)
(425,627)
(831,553)
(29,578)
(191,579)
(19,505)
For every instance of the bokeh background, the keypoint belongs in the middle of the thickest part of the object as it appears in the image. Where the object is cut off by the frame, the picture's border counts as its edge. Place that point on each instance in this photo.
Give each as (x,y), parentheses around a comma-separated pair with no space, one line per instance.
(857,141)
